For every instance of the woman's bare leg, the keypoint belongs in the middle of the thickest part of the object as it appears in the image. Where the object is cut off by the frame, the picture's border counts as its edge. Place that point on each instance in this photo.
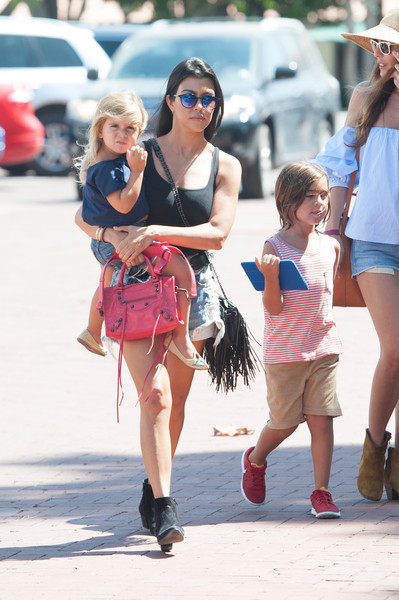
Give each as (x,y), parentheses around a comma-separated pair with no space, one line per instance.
(381,294)
(155,413)
(181,378)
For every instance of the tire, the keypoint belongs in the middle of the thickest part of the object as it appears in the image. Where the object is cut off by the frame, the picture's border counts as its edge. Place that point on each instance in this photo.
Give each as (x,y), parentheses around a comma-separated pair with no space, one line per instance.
(55,158)
(16,170)
(257,180)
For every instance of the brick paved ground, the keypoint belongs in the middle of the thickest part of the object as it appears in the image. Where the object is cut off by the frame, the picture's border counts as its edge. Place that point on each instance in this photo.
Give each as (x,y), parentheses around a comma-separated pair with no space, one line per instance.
(70,475)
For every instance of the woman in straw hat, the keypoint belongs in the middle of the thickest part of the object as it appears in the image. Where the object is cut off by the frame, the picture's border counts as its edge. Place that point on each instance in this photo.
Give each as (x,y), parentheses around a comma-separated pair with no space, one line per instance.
(372,125)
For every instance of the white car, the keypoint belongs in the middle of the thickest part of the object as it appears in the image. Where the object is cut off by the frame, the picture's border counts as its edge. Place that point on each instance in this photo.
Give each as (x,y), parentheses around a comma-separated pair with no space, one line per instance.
(55,59)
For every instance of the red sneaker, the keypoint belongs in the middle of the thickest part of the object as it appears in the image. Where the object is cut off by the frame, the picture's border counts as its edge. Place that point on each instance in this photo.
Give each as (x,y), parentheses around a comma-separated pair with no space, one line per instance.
(253,486)
(323,506)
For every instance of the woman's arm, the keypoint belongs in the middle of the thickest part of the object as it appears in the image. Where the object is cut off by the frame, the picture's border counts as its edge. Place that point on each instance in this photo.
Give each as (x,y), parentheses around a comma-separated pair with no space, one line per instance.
(355,105)
(337,248)
(339,193)
(207,236)
(269,266)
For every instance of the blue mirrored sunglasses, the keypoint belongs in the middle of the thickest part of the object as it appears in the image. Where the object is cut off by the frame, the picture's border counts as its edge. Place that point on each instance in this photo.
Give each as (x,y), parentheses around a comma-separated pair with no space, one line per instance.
(190,100)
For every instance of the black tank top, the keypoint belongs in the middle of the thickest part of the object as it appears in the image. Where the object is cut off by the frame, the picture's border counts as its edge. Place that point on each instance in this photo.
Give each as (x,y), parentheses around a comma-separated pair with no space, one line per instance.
(197,204)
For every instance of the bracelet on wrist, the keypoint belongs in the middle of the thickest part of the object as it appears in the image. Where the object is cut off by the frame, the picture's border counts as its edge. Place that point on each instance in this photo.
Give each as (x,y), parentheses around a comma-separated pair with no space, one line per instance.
(332,232)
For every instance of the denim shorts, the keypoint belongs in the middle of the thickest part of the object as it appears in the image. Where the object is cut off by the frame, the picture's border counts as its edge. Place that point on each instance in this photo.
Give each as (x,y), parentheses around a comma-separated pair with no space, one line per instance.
(103,252)
(204,310)
(369,255)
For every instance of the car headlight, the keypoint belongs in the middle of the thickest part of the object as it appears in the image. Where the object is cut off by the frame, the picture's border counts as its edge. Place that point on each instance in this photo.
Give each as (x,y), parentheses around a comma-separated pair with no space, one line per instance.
(81,110)
(239,107)
(21,96)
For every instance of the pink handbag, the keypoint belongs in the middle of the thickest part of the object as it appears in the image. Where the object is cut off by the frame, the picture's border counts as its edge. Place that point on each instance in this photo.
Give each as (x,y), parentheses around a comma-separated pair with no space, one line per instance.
(139,310)
(142,309)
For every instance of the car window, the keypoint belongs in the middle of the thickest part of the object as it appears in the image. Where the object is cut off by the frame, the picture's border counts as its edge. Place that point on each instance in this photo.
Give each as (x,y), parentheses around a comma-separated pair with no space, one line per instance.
(281,50)
(54,52)
(16,52)
(20,51)
(157,59)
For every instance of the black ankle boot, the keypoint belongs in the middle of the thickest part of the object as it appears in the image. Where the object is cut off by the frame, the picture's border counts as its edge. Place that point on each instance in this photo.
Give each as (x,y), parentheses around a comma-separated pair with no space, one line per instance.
(168,530)
(146,507)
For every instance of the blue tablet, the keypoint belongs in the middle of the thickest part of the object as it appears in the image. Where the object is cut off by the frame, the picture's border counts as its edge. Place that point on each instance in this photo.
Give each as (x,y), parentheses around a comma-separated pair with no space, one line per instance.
(289,275)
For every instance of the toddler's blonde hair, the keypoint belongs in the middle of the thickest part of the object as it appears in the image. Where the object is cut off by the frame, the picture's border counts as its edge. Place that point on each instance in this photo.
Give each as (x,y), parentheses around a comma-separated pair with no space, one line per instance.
(125,105)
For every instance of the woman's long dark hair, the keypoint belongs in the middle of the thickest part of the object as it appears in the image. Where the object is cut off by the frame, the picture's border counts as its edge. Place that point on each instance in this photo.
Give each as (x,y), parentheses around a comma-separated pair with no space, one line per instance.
(191,67)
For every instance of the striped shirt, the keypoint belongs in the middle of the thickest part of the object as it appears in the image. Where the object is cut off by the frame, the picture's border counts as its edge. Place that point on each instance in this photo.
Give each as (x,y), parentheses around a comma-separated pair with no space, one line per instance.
(305,329)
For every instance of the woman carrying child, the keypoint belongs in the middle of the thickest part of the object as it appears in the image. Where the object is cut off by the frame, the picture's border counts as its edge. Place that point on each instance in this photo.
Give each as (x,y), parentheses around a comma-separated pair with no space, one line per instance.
(208,182)
(111,171)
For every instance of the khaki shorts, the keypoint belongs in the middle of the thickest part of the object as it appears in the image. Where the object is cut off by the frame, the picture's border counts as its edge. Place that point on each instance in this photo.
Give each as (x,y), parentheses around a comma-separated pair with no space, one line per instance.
(297,389)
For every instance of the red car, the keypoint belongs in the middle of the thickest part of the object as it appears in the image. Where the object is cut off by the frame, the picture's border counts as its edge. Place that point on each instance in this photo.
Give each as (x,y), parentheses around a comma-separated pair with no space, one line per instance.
(24,133)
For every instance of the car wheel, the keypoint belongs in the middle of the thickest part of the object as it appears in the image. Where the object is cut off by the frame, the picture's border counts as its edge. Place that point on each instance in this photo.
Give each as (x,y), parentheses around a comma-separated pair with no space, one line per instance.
(16,170)
(257,180)
(55,158)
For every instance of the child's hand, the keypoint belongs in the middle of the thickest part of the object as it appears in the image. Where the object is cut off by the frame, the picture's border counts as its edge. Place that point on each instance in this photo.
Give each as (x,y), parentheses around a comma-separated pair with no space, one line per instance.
(136,157)
(269,266)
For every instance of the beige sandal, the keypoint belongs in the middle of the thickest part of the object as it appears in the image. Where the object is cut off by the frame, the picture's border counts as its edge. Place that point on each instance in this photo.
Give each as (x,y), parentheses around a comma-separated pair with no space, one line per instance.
(197,362)
(88,341)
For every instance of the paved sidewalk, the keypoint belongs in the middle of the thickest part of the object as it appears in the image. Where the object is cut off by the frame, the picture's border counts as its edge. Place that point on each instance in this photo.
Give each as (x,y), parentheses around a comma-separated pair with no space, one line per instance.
(71,476)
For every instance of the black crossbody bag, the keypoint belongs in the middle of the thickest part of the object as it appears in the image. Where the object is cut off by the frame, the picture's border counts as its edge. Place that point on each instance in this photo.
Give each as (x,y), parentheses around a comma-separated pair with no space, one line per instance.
(233,356)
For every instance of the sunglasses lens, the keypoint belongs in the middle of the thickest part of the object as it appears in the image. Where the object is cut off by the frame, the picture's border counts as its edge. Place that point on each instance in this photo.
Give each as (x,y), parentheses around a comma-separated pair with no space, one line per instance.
(208,101)
(188,100)
(384,47)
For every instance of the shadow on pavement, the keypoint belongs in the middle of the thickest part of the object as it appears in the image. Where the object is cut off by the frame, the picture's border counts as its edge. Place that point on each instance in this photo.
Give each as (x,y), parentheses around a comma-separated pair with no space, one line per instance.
(101,493)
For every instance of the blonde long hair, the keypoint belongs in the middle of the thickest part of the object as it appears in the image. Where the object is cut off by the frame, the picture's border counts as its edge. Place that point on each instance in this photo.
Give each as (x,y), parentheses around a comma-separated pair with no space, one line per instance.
(374,101)
(125,105)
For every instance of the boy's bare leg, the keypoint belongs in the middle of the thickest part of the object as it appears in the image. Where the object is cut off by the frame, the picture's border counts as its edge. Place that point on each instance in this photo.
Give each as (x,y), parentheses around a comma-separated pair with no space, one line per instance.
(268,441)
(322,446)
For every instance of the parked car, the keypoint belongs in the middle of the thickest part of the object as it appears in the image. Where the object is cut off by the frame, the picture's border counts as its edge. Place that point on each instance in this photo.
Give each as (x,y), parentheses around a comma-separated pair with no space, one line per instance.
(280,100)
(55,59)
(23,133)
(2,141)
(110,37)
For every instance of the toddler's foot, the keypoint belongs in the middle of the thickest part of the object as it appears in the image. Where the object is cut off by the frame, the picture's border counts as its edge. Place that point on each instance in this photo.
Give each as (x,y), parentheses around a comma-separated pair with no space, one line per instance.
(186,352)
(88,341)
(323,506)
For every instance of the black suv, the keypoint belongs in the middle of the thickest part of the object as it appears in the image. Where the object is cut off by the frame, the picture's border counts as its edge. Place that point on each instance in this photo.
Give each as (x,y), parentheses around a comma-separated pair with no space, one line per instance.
(280,100)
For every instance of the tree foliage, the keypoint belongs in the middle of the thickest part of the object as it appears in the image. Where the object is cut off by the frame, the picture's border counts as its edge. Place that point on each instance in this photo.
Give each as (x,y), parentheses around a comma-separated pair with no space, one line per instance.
(167,9)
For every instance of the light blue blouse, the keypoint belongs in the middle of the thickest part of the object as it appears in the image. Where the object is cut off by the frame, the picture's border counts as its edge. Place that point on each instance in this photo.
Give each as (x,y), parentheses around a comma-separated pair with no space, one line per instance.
(375,215)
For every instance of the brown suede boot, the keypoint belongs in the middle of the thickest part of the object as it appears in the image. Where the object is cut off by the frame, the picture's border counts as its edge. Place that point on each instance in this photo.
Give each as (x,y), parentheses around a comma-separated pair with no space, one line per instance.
(371,471)
(391,474)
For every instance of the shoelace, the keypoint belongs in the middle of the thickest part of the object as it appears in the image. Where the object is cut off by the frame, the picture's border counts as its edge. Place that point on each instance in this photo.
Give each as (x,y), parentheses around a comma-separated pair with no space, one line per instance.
(257,476)
(322,496)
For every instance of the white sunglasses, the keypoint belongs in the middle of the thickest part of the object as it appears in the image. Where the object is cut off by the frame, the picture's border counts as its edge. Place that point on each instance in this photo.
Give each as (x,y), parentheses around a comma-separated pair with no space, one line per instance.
(384,47)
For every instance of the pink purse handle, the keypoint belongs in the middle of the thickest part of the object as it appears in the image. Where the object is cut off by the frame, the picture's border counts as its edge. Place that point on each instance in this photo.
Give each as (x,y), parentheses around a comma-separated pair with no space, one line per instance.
(152,251)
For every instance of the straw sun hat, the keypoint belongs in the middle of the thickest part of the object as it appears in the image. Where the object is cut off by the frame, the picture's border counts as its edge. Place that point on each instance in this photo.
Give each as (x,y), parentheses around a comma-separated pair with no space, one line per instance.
(387,31)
